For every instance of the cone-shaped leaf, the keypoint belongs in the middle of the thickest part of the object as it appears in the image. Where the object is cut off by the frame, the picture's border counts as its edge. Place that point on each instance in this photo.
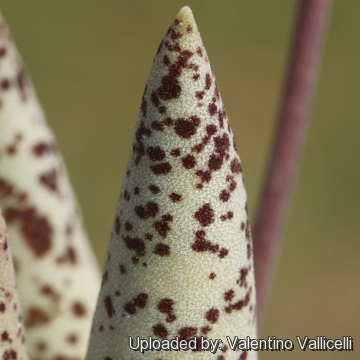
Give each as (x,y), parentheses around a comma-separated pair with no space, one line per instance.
(57,277)
(180,257)
(12,337)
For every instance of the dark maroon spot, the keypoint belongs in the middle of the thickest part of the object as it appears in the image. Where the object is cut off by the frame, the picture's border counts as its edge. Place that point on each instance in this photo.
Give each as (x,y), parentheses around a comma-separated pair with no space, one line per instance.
(212,315)
(242,226)
(2,52)
(162,226)
(21,82)
(50,293)
(222,144)
(202,245)
(207,81)
(50,180)
(5,84)
(175,197)
(199,51)
(69,256)
(11,149)
(215,162)
(165,306)
(139,301)
(2,307)
(248,230)
(188,161)
(135,244)
(78,309)
(205,215)
(175,152)
(212,108)
(168,121)
(36,316)
(10,355)
(224,196)
(200,95)
(243,275)
(144,102)
(149,210)
(199,186)
(205,176)
(221,116)
(169,89)
(148,236)
(130,308)
(161,169)
(162,250)
(136,190)
(232,185)
(211,130)
(238,305)
(43,148)
(126,195)
(109,306)
(135,260)
(196,77)
(212,276)
(189,29)
(72,339)
(138,147)
(144,264)
(35,228)
(154,189)
(223,252)
(155,153)
(249,251)
(117,293)
(5,246)
(174,35)
(205,329)
(117,225)
(4,336)
(166,60)
(243,356)
(122,269)
(186,333)
(156,125)
(235,166)
(160,331)
(187,128)
(128,226)
(228,295)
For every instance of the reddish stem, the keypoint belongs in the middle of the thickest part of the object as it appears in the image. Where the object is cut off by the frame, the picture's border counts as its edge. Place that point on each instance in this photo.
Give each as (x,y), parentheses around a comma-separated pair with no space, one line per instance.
(301,81)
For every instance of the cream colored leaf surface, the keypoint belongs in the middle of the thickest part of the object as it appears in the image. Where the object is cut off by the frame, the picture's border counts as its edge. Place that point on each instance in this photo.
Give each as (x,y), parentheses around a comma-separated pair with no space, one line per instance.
(57,277)
(12,337)
(180,256)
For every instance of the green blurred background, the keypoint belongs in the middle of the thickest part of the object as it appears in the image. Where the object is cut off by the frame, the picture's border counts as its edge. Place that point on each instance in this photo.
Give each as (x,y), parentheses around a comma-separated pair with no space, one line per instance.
(89,61)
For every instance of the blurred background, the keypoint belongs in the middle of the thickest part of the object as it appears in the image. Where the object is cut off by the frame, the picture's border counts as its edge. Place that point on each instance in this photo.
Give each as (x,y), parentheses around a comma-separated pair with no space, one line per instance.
(89,61)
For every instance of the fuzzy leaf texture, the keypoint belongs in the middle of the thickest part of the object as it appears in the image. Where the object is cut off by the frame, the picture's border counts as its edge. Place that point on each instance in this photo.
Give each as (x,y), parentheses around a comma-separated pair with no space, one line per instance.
(180,256)
(57,276)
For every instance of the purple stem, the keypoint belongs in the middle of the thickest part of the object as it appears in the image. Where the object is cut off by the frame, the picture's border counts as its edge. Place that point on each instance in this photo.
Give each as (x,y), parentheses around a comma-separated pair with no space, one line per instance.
(292,123)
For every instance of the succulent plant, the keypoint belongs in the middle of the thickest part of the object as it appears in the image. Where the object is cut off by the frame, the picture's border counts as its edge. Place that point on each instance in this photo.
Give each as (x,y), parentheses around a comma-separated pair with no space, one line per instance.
(57,277)
(180,257)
